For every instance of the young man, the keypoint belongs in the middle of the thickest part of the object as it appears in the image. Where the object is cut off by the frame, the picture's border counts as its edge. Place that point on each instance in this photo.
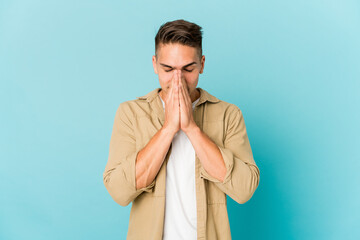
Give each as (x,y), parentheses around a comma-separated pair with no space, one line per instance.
(176,152)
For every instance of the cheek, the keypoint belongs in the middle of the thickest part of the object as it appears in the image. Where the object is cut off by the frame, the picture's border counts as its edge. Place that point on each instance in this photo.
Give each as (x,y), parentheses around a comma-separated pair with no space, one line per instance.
(165,79)
(191,78)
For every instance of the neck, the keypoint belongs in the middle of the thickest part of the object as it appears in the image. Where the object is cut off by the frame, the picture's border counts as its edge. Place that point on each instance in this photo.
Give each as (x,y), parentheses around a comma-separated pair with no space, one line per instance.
(195,95)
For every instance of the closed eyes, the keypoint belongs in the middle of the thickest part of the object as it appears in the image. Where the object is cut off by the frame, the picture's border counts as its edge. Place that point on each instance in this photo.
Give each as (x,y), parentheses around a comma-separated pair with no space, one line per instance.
(184,69)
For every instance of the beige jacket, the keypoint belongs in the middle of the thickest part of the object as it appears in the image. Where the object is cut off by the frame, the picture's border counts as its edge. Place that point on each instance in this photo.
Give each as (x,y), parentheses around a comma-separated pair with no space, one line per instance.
(136,121)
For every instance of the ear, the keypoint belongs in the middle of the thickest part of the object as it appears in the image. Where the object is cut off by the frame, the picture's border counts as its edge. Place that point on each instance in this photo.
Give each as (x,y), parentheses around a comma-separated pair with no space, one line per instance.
(202,63)
(154,64)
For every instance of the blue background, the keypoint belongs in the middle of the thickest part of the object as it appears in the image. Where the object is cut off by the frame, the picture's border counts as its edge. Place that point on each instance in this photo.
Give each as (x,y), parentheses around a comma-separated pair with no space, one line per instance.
(292,67)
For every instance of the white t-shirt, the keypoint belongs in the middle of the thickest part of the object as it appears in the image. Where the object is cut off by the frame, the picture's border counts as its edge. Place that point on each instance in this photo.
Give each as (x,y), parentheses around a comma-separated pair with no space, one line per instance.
(180,202)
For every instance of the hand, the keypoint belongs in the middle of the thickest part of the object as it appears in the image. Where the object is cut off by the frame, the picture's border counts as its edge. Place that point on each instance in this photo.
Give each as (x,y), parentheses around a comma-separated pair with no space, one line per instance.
(187,121)
(172,108)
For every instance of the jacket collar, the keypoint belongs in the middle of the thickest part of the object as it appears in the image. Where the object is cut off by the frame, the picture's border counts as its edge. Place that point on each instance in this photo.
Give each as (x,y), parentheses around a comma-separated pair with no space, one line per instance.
(204,96)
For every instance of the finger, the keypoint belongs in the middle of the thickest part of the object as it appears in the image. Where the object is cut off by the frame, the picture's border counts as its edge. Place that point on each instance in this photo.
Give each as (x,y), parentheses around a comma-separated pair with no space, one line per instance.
(174,78)
(185,106)
(185,86)
(181,101)
(176,95)
(185,92)
(179,88)
(171,92)
(182,84)
(177,85)
(182,97)
(172,81)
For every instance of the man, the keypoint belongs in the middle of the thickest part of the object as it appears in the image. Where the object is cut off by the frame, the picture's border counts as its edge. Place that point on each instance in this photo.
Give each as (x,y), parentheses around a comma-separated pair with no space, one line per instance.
(176,152)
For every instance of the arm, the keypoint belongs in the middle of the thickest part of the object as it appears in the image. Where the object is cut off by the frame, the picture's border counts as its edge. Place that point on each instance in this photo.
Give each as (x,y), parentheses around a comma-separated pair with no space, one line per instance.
(152,156)
(232,167)
(128,172)
(208,152)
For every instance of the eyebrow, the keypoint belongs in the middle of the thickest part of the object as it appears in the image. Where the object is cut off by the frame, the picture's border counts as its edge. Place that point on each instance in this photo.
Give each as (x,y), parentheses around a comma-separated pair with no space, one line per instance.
(182,67)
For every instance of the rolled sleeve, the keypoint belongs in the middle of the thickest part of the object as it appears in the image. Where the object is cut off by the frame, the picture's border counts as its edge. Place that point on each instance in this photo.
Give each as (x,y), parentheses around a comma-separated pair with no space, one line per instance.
(119,176)
(242,175)
(229,163)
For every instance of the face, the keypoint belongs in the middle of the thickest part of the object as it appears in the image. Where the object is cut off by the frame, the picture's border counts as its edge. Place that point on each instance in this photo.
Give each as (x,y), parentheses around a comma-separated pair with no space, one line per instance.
(184,58)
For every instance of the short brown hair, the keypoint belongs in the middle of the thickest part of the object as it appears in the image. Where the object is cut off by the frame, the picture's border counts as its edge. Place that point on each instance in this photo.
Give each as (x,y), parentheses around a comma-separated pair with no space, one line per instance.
(179,31)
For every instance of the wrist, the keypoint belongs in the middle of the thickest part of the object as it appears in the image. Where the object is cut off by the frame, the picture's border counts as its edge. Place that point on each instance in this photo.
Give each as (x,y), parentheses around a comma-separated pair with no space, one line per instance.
(192,129)
(168,131)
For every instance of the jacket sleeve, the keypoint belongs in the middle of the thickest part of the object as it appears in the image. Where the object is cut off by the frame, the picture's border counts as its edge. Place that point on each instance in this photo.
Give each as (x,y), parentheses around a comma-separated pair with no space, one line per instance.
(119,174)
(242,175)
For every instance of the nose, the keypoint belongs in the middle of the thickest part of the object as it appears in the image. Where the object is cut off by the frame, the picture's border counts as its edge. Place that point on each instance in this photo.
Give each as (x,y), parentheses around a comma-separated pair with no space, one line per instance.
(182,75)
(180,72)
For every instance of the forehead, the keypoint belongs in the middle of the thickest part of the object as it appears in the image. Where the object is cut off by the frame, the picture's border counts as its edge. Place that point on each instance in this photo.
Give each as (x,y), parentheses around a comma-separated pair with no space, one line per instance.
(176,54)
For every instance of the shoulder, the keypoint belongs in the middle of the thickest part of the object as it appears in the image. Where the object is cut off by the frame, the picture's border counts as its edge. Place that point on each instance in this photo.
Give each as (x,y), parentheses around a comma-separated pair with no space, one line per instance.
(139,104)
(227,106)
(216,104)
(134,108)
(221,110)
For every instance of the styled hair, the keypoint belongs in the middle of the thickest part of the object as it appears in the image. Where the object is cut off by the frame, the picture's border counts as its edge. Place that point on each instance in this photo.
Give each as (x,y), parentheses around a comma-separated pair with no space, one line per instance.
(179,31)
